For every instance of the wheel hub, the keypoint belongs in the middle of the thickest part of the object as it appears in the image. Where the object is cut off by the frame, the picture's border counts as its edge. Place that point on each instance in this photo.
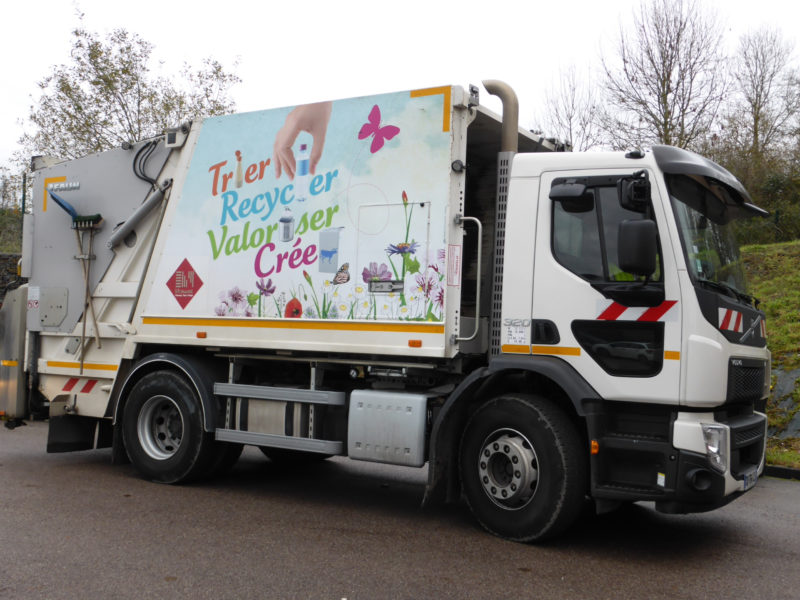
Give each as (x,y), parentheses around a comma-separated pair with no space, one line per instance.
(160,427)
(508,469)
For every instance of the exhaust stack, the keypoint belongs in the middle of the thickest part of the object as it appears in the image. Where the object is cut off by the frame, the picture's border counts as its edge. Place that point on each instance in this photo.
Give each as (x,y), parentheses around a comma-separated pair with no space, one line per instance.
(508,135)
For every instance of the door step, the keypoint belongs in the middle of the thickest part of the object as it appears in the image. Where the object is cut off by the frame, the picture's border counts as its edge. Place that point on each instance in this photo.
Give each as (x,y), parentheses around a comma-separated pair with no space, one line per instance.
(280,441)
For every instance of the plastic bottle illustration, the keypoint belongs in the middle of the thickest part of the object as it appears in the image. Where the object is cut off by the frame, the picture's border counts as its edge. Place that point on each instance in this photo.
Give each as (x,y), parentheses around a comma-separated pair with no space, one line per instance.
(239,178)
(286,223)
(301,178)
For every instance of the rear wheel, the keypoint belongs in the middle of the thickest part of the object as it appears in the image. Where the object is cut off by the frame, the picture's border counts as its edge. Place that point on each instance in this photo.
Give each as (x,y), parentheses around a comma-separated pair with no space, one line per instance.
(522,467)
(162,427)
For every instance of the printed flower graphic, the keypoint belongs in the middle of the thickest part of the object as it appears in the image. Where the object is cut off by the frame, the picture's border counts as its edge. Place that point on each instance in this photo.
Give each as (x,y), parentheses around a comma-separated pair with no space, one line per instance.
(376,273)
(426,284)
(294,310)
(236,298)
(233,303)
(402,248)
(265,288)
(440,298)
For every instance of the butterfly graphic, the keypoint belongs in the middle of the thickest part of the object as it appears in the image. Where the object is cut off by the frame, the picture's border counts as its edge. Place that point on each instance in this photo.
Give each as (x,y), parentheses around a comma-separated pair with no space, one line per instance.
(342,275)
(373,128)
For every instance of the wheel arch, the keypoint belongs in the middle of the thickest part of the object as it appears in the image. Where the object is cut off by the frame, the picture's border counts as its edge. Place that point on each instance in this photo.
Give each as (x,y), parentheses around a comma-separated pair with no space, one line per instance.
(196,370)
(549,376)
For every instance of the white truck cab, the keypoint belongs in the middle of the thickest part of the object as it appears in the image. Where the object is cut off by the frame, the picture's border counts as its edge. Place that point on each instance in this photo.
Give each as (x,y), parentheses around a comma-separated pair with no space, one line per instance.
(656,321)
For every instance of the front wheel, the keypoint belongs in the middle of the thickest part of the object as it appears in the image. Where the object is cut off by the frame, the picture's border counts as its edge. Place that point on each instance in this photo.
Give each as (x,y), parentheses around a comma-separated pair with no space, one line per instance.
(162,428)
(522,467)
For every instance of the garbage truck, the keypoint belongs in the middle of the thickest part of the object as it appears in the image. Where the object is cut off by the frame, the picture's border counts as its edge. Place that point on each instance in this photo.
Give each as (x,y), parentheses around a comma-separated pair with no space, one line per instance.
(405,278)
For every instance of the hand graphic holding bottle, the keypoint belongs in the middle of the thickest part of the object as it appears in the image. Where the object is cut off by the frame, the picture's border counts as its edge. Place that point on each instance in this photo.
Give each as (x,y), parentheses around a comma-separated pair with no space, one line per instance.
(312,118)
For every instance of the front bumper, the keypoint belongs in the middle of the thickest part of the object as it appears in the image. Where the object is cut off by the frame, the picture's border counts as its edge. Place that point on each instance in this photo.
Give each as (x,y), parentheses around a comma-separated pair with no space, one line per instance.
(659,454)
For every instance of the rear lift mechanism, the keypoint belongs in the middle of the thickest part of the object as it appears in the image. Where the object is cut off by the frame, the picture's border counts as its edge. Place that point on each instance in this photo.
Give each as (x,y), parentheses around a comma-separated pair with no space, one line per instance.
(85,227)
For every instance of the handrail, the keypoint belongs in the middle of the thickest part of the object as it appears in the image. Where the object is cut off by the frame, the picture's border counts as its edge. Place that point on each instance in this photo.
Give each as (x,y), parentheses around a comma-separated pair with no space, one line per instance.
(459,220)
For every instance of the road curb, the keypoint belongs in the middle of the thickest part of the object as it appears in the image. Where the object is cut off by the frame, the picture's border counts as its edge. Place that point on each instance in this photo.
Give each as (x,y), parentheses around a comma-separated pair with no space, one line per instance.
(782,472)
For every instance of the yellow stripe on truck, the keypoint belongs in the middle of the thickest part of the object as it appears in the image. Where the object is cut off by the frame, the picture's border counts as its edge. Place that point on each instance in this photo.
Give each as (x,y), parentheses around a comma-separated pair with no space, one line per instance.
(557,350)
(515,349)
(433,328)
(57,364)
(446,91)
(47,182)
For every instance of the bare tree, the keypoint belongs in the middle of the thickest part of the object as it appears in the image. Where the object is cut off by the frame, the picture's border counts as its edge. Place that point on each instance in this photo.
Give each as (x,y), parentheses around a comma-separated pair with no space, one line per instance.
(572,111)
(107,96)
(668,78)
(10,211)
(766,84)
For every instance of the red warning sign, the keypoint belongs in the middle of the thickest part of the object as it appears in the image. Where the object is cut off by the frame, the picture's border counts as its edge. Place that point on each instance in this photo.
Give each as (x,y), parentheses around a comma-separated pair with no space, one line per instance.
(184,283)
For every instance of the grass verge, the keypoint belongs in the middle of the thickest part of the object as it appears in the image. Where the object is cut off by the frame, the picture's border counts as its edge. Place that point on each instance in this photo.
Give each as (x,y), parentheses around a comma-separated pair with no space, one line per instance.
(774,278)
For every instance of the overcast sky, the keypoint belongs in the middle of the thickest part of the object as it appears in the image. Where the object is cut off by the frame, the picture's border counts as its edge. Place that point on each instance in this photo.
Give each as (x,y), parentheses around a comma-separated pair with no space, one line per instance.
(296,51)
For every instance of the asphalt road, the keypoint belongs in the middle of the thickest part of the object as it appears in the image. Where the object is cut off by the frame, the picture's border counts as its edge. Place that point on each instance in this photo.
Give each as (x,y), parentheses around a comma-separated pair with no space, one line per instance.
(74,526)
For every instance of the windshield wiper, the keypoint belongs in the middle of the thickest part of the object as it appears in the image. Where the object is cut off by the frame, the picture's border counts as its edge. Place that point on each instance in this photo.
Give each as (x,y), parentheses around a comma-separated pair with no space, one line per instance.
(730,291)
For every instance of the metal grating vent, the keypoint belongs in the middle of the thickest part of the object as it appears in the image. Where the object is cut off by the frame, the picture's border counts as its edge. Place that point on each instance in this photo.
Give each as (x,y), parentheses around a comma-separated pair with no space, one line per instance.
(742,437)
(745,382)
(503,172)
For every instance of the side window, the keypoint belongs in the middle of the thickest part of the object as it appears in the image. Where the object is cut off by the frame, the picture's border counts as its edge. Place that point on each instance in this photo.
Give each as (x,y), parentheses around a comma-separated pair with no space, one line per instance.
(576,242)
(586,242)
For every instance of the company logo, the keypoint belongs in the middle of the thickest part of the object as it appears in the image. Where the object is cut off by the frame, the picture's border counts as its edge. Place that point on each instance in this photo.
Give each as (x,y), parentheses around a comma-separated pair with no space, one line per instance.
(758,323)
(184,283)
(64,186)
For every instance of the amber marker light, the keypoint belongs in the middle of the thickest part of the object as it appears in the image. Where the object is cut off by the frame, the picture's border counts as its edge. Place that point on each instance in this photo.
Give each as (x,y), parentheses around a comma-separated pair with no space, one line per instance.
(202,335)
(595,447)
(415,343)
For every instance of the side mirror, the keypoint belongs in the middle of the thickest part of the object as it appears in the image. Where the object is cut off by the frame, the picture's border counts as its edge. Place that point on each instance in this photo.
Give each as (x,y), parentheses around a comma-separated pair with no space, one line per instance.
(634,192)
(637,247)
(574,197)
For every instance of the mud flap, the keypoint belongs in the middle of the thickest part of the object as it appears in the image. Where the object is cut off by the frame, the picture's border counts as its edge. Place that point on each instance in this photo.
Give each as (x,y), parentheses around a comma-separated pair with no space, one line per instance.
(69,433)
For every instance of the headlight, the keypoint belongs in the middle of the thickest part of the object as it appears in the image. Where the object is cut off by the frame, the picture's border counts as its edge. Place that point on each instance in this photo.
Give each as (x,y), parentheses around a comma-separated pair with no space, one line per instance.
(716,439)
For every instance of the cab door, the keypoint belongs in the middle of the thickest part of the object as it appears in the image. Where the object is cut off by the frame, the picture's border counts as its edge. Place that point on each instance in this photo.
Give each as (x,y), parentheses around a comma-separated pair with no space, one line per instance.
(621,332)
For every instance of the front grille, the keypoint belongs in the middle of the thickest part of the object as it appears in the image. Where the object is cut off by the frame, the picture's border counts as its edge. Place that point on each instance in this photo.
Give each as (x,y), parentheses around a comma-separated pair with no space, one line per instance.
(745,380)
(747,443)
(745,436)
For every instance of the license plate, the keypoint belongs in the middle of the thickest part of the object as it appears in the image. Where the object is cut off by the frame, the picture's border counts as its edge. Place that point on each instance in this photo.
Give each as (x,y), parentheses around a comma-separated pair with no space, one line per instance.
(750,480)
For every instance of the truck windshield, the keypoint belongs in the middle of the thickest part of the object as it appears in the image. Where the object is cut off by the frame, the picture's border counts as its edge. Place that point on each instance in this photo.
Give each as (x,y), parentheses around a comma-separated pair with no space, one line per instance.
(704,222)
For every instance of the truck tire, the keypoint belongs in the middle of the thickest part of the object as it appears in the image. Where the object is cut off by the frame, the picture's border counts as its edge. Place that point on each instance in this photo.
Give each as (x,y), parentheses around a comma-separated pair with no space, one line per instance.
(162,427)
(523,470)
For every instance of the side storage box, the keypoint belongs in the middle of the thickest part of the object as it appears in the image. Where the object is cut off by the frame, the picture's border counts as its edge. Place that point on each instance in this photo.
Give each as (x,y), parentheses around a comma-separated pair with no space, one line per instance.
(387,427)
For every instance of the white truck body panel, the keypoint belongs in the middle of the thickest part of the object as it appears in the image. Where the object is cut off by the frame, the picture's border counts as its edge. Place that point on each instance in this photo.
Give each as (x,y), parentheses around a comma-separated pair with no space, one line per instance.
(379,208)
